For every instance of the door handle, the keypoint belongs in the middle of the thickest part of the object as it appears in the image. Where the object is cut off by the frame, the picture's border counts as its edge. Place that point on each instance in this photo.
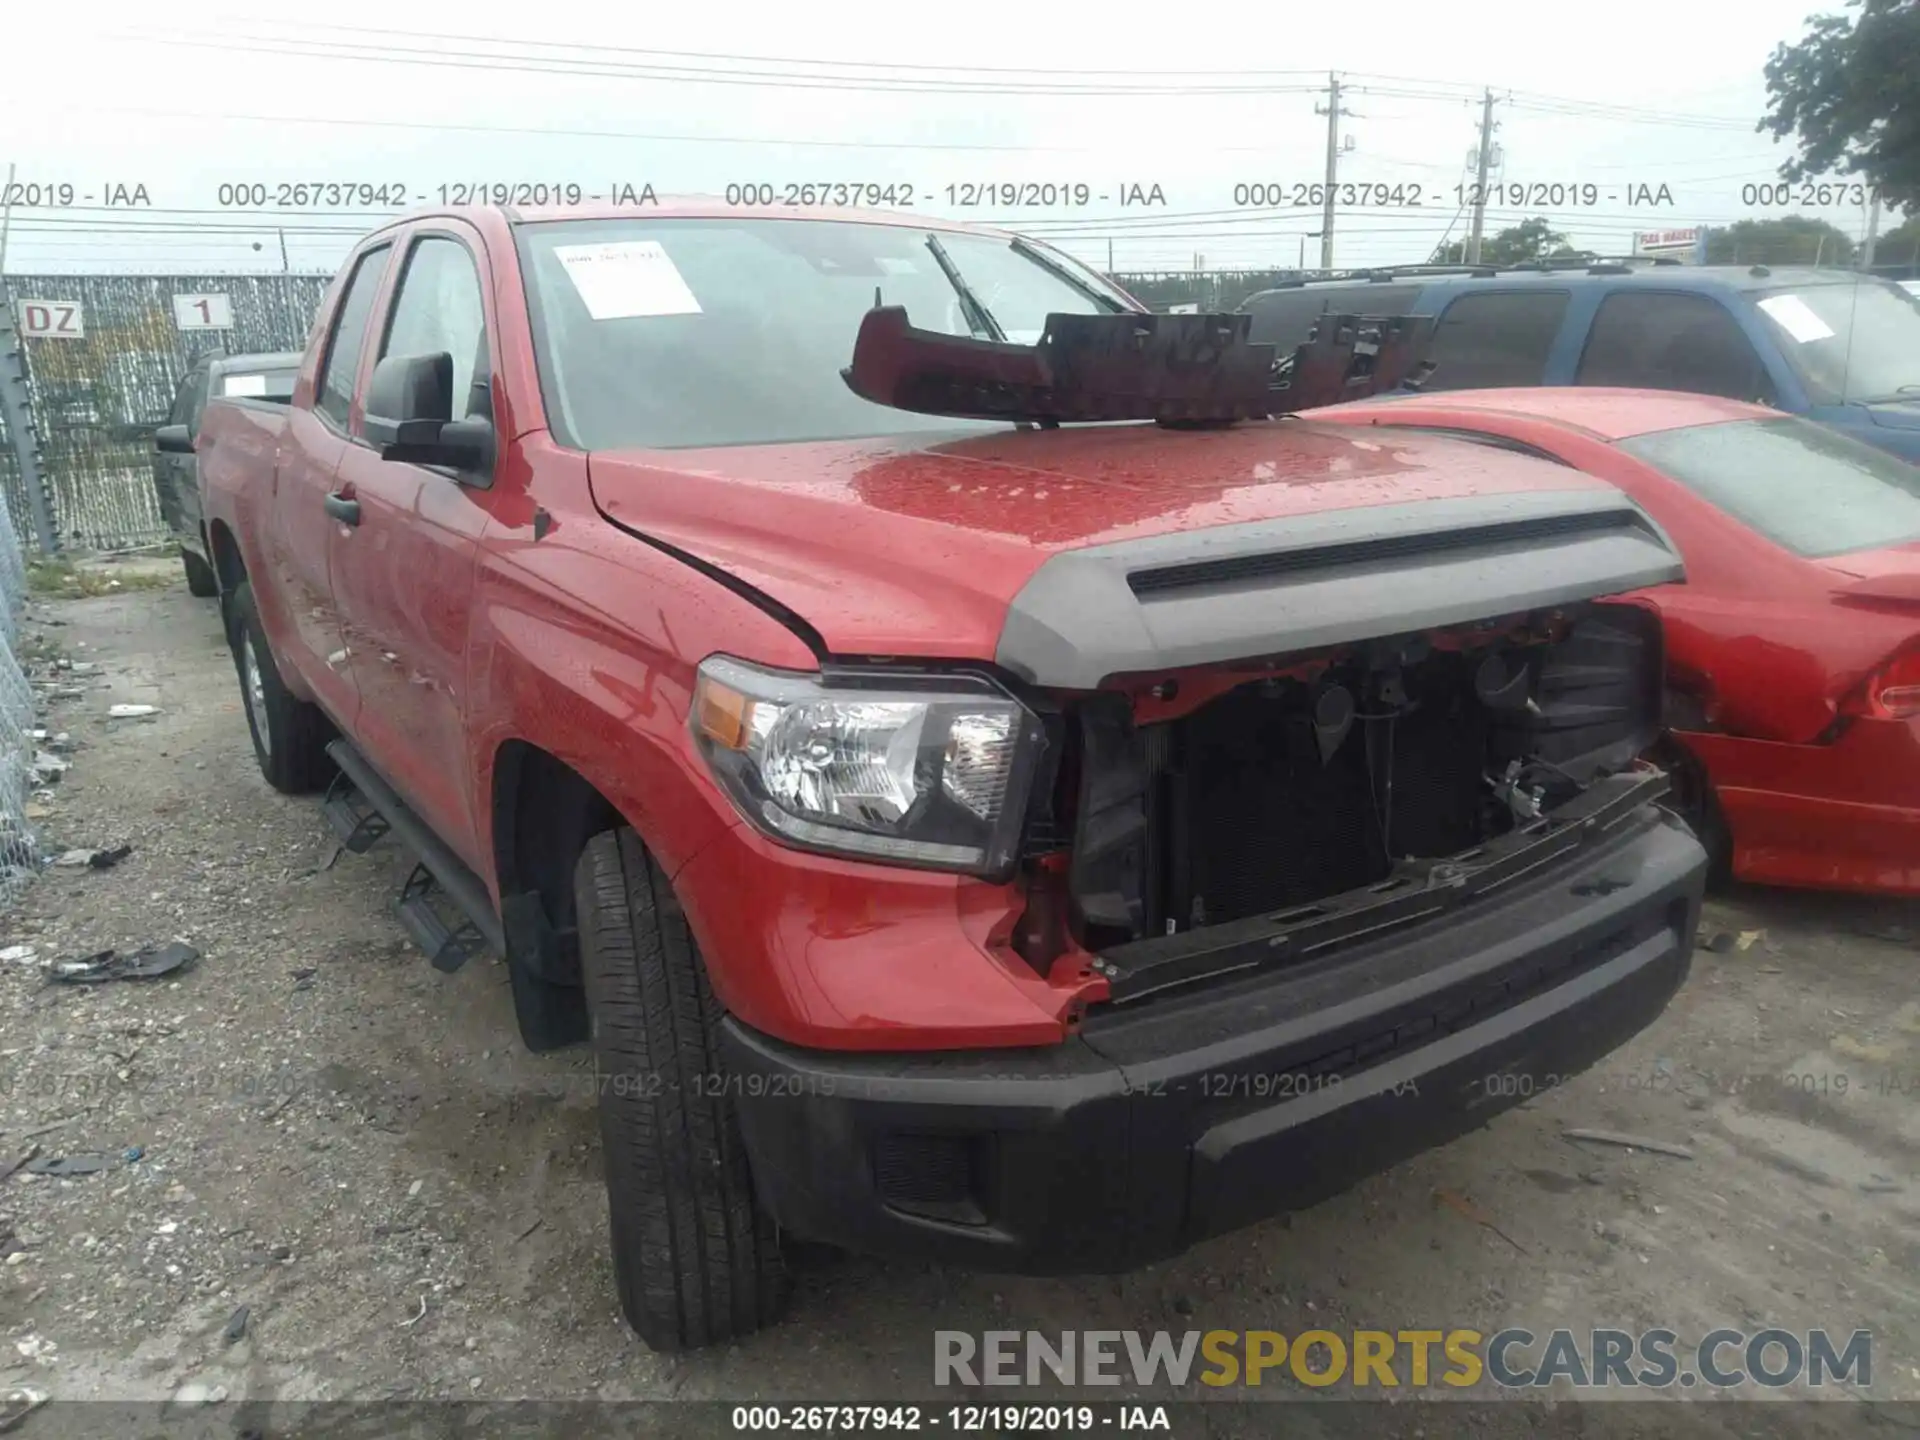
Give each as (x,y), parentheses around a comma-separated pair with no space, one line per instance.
(346,511)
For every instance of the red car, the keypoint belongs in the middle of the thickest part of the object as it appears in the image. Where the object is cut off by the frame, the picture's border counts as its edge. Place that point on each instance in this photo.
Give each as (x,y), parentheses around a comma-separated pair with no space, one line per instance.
(1793,647)
(960,833)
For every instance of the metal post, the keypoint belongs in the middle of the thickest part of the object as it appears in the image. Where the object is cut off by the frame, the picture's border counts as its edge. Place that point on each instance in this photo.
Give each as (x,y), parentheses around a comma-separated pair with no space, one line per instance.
(20,427)
(284,267)
(1333,168)
(1873,233)
(1481,169)
(6,219)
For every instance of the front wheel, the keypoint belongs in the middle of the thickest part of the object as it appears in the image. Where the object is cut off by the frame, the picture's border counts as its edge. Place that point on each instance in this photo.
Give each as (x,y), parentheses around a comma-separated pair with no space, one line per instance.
(696,1262)
(289,735)
(202,583)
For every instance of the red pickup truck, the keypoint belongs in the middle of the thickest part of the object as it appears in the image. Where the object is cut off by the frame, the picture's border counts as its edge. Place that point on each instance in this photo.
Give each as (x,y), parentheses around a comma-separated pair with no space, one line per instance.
(961,831)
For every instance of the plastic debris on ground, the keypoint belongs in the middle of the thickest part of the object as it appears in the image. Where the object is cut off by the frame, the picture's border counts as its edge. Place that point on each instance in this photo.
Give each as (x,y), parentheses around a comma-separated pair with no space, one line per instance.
(17,1404)
(131,712)
(92,859)
(148,963)
(63,1167)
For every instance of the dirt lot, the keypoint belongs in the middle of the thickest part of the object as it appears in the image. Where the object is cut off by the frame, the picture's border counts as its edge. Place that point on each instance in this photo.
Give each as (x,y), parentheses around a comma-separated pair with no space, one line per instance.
(356,1149)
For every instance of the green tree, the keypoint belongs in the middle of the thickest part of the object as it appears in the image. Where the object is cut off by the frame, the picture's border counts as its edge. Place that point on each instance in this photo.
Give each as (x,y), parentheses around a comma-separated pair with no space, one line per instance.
(1900,245)
(1849,95)
(1518,244)
(1789,240)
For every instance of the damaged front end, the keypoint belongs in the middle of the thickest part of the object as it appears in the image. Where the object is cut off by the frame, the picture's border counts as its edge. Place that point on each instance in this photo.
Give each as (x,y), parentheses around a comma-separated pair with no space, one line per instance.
(1272,817)
(1263,753)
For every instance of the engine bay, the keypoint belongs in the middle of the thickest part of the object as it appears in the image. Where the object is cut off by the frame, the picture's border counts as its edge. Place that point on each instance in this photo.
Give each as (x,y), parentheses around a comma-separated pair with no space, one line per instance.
(1330,773)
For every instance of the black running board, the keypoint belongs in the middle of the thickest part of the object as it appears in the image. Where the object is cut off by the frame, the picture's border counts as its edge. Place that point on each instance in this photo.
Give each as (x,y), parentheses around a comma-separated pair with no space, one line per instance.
(440,871)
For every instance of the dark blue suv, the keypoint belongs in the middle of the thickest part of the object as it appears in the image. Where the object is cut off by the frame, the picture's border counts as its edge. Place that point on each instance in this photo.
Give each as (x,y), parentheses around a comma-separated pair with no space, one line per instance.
(1832,345)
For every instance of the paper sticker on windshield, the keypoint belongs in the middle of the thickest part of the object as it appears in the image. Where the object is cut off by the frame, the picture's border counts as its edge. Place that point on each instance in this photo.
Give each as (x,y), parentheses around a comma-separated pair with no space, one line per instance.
(245,385)
(626,278)
(1796,317)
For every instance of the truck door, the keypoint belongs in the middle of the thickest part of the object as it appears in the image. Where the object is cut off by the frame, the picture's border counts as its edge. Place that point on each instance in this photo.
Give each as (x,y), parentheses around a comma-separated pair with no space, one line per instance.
(316,435)
(403,574)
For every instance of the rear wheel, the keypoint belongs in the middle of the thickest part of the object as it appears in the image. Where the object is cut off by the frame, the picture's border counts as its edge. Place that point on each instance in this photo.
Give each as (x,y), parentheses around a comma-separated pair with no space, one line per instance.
(695,1260)
(202,583)
(289,735)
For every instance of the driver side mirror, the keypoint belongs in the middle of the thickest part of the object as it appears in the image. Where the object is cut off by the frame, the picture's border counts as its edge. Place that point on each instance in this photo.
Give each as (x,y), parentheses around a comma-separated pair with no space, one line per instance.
(409,415)
(173,440)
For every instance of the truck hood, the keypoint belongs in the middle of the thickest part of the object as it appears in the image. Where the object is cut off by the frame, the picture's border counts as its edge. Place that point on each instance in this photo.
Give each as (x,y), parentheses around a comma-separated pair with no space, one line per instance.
(1068,555)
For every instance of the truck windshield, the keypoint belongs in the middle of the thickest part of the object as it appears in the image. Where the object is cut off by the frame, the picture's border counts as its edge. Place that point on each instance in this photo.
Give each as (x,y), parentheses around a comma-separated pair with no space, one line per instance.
(1805,487)
(674,333)
(1857,343)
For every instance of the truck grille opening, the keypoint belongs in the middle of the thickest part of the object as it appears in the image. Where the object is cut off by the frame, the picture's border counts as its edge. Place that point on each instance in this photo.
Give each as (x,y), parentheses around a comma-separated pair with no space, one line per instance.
(1329,777)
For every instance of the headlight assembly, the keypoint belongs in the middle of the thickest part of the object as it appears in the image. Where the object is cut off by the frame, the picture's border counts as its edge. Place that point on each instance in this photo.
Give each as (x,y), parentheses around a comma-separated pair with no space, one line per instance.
(929,770)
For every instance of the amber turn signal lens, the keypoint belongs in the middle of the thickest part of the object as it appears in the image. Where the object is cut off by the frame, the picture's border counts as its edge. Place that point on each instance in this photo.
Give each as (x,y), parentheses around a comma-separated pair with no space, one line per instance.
(720,713)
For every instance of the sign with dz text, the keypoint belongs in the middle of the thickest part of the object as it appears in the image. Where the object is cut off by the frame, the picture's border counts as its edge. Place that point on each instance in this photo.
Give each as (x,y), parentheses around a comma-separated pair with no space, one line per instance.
(50,320)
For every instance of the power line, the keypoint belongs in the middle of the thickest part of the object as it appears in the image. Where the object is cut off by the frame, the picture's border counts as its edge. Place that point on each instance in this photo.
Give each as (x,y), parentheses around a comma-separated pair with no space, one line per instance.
(868,75)
(442,58)
(780,60)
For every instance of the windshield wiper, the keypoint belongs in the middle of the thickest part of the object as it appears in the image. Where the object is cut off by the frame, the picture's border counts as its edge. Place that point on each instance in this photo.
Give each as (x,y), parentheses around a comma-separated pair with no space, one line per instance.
(978,316)
(1028,250)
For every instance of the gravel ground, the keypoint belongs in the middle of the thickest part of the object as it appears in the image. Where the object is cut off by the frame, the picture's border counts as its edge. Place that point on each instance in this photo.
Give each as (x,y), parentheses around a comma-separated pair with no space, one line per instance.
(357,1151)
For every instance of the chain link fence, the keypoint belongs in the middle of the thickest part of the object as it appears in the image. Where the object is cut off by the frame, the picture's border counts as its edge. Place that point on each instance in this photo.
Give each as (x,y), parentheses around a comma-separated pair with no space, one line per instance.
(19,748)
(98,390)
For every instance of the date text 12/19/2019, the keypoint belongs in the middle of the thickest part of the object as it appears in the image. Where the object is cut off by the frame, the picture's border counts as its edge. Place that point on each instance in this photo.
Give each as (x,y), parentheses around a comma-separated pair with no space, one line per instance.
(400,195)
(957,1419)
(967,195)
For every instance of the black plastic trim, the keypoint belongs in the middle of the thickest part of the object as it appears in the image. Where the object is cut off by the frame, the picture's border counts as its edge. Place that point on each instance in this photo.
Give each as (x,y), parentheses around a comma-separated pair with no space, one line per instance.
(462,886)
(1413,894)
(1371,551)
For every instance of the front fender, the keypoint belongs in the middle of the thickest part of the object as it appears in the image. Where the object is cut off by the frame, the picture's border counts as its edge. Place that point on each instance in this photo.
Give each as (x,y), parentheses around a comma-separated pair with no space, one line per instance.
(584,645)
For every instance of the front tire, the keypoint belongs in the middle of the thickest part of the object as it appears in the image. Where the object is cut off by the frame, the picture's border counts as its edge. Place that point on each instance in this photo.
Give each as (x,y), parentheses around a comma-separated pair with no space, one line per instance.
(695,1260)
(202,583)
(289,735)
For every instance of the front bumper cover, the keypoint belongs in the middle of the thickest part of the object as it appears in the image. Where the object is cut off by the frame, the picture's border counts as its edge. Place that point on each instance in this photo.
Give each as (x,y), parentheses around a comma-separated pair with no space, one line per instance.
(1162,1123)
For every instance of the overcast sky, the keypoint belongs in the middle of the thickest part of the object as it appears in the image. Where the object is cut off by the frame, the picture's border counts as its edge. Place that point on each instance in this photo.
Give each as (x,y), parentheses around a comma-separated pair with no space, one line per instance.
(1194,101)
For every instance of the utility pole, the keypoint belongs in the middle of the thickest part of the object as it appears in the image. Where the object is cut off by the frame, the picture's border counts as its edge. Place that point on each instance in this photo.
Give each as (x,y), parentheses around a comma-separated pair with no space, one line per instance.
(285,268)
(1873,233)
(1481,169)
(1109,255)
(18,410)
(1332,112)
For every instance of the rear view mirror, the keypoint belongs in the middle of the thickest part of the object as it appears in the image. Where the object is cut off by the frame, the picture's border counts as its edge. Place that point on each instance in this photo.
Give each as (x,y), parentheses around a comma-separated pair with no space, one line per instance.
(409,415)
(173,440)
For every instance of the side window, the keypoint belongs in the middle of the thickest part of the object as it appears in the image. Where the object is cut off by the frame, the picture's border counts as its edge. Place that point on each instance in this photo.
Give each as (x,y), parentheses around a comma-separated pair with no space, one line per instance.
(202,389)
(335,396)
(193,388)
(1497,338)
(1663,340)
(1283,318)
(439,309)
